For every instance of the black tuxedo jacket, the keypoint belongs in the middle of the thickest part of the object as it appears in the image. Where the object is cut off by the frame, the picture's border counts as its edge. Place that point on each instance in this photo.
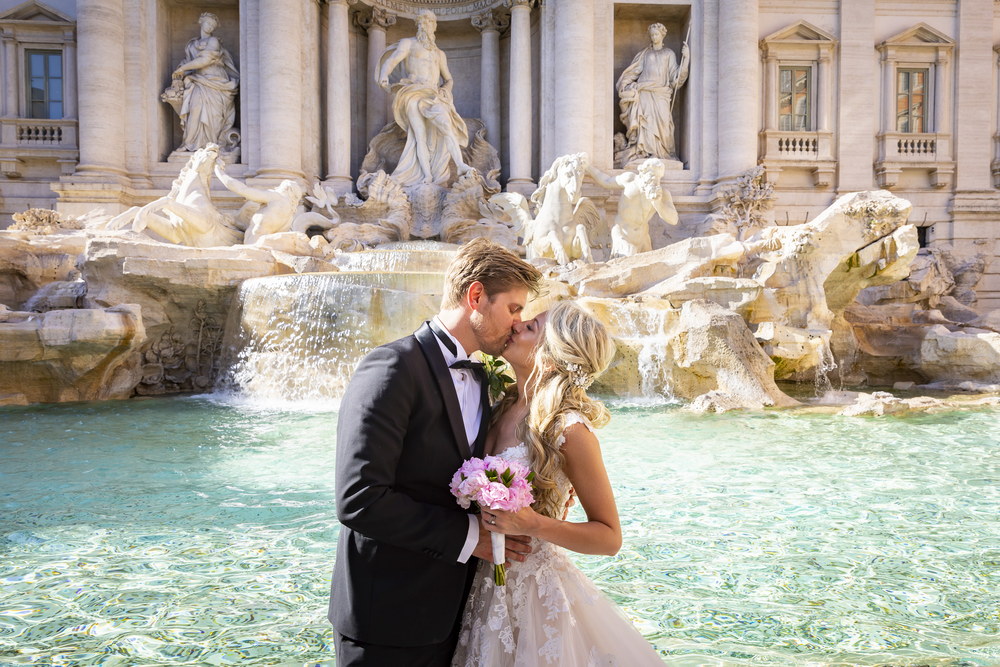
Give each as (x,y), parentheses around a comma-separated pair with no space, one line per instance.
(400,438)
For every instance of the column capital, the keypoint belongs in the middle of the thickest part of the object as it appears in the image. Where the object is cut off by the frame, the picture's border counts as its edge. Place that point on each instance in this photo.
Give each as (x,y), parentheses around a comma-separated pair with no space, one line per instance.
(342,3)
(488,20)
(514,4)
(376,18)
(382,18)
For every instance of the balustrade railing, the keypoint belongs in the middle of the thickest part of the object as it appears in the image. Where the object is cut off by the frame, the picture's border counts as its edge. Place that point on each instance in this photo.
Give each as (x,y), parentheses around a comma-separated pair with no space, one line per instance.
(797,145)
(914,148)
(33,133)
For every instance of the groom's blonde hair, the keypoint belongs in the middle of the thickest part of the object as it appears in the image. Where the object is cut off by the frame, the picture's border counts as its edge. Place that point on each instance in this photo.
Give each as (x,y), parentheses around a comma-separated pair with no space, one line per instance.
(487,262)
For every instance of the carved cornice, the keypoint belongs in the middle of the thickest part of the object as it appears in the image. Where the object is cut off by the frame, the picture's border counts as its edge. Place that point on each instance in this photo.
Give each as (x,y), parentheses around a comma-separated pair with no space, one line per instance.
(446,10)
(490,21)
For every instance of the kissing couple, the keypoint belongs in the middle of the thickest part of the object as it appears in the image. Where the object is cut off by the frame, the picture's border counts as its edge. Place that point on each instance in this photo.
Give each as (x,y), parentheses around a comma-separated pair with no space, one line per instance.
(413,581)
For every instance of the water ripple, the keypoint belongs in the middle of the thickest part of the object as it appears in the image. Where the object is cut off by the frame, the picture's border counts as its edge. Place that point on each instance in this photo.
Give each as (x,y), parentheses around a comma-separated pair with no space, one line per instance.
(187,531)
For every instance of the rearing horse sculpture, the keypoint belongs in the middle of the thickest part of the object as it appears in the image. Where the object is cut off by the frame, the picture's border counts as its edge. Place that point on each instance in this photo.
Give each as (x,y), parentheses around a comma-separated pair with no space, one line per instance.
(187,215)
(560,228)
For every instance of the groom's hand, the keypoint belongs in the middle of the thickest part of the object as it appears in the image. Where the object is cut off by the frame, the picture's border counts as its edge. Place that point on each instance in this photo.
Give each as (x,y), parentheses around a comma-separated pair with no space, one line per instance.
(517,546)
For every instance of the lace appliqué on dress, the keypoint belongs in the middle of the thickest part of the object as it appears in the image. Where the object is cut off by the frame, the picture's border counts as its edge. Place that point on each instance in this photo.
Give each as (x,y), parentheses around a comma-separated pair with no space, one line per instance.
(549,613)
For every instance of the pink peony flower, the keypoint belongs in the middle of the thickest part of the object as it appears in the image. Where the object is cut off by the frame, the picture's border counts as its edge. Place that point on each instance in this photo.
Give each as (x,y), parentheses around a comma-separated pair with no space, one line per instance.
(494,495)
(470,487)
(497,484)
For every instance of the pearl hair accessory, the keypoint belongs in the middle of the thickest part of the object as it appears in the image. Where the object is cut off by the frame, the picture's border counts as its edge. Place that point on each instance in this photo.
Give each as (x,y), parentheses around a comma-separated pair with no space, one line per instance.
(579,377)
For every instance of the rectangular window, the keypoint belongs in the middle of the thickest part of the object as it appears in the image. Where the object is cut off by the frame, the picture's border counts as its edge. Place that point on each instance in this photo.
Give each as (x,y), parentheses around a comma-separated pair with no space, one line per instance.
(45,84)
(911,100)
(794,90)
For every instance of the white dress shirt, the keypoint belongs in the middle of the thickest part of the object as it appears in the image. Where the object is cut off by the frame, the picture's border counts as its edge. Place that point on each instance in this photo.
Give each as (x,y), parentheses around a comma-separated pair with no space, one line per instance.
(468,390)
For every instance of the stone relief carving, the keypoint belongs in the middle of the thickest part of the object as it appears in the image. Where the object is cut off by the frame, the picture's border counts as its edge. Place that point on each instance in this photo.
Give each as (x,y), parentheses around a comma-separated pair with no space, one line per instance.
(745,205)
(642,197)
(424,108)
(173,363)
(647,90)
(563,221)
(203,91)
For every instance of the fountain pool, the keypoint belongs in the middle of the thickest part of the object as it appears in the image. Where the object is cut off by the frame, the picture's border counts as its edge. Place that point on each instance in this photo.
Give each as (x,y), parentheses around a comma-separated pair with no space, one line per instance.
(199,531)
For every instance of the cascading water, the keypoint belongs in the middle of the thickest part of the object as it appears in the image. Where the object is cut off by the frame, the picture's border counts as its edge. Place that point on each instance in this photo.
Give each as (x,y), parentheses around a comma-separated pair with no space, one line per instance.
(299,337)
(826,365)
(643,369)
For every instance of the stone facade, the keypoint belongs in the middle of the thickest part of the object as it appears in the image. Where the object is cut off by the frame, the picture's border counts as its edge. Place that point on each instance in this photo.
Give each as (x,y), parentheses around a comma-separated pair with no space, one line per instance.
(830,96)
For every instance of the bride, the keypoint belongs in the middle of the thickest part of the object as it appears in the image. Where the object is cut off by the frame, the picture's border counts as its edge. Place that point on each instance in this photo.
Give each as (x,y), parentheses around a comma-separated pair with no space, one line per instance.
(549,613)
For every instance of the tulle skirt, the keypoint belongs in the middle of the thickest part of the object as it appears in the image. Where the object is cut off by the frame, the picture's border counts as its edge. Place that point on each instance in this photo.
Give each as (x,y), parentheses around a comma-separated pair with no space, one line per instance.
(549,613)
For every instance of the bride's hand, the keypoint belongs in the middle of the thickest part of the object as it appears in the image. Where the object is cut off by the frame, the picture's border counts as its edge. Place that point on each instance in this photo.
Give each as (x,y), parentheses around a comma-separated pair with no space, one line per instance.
(517,547)
(522,522)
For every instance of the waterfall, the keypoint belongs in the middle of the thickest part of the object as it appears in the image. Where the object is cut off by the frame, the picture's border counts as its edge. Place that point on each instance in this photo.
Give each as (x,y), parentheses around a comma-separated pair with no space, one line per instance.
(299,337)
(643,370)
(826,364)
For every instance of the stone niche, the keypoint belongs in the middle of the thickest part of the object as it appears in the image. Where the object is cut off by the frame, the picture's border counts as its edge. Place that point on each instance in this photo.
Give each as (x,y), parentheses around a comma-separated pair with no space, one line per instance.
(631,36)
(179,25)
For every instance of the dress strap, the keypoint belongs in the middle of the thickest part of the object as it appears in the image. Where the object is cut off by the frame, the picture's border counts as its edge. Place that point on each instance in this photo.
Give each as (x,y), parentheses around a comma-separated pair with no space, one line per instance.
(570,419)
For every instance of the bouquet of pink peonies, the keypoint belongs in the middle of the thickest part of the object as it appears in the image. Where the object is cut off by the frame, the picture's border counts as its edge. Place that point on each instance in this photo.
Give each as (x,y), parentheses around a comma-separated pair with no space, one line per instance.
(497,484)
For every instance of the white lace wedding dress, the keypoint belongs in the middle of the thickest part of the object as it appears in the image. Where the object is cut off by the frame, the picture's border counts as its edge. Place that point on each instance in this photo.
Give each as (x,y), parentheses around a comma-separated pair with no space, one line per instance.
(549,613)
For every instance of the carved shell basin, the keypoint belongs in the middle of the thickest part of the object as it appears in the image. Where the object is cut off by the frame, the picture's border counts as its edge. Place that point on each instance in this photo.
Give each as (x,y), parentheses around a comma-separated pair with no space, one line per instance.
(446,10)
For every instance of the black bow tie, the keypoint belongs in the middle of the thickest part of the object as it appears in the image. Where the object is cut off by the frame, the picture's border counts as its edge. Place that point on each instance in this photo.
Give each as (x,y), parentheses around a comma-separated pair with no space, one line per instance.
(478,369)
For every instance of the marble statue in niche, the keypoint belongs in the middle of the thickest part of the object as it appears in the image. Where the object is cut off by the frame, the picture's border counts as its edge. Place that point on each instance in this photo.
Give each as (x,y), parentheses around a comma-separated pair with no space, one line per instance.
(423,105)
(203,91)
(647,90)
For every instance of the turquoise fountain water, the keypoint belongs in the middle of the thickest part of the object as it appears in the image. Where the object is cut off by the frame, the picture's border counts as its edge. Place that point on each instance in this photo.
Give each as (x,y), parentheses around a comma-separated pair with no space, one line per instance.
(200,531)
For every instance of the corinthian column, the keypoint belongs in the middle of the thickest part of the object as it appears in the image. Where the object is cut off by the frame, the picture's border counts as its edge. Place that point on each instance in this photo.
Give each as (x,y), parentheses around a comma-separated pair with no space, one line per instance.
(519,130)
(573,87)
(338,98)
(489,25)
(280,48)
(100,28)
(376,25)
(738,87)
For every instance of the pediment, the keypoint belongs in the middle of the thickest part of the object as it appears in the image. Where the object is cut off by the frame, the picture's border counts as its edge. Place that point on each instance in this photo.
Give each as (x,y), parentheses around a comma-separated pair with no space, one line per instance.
(35,11)
(919,35)
(800,31)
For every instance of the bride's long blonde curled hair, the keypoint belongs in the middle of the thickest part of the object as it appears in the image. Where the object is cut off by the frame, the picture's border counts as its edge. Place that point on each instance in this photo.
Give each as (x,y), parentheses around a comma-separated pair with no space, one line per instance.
(575,349)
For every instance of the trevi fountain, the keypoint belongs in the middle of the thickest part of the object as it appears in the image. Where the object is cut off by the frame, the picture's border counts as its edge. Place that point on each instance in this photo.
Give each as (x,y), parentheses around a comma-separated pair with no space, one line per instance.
(804,436)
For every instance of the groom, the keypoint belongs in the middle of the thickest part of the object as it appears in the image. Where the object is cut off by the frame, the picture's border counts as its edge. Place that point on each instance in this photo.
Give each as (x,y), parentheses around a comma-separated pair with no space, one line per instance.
(414,410)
